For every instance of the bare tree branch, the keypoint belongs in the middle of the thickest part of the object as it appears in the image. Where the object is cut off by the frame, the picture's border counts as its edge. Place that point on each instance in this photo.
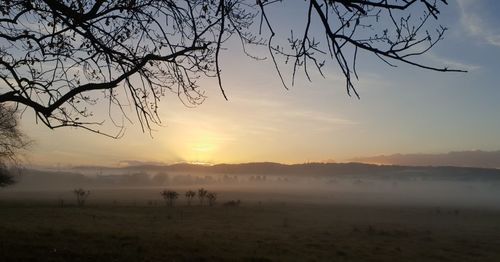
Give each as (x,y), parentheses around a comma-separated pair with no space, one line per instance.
(63,58)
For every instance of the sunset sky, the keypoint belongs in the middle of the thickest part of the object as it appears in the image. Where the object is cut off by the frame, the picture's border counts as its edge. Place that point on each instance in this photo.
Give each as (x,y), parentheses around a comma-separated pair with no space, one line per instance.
(401,110)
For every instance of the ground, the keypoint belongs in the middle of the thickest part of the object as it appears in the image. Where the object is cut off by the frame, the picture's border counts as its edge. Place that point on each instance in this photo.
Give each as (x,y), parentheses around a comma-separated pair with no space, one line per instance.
(255,231)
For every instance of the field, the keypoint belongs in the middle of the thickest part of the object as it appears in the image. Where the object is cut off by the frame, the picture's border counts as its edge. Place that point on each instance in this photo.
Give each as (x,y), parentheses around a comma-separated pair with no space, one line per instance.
(257,230)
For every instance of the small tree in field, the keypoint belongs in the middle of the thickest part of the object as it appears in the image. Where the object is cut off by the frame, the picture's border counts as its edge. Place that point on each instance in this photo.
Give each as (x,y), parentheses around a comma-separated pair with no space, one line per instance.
(170,196)
(202,193)
(190,194)
(81,196)
(211,198)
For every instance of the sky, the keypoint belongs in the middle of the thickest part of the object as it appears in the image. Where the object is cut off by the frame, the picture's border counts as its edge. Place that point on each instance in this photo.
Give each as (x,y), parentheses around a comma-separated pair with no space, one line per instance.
(401,110)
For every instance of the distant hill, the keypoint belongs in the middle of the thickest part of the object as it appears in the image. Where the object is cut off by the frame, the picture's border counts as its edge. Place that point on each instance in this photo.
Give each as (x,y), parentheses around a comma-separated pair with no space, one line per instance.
(477,158)
(315,169)
(254,173)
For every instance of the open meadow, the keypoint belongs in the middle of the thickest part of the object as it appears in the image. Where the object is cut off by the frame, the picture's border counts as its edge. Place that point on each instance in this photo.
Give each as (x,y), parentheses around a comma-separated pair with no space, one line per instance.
(262,228)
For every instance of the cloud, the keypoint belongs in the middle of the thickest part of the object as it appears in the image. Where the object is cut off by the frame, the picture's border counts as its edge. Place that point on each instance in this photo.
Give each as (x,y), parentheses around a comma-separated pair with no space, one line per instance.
(321,118)
(475,21)
(450,63)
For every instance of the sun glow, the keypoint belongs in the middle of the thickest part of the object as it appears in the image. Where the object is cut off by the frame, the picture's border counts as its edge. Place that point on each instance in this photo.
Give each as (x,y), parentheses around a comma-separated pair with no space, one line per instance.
(203,148)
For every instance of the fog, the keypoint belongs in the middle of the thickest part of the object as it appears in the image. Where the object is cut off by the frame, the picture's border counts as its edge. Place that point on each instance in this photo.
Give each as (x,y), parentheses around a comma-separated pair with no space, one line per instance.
(143,187)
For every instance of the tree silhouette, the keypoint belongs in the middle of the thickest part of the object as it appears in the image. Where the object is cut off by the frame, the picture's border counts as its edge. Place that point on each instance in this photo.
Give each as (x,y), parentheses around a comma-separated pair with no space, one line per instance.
(6,178)
(190,194)
(211,198)
(12,140)
(62,58)
(170,197)
(81,196)
(202,193)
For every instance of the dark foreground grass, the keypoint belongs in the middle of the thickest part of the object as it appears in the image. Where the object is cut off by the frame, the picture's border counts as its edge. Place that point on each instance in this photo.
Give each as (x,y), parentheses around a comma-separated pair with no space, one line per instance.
(252,232)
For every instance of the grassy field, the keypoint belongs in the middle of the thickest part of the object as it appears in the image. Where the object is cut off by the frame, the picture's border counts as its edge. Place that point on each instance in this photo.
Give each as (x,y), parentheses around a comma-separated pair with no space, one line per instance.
(266,231)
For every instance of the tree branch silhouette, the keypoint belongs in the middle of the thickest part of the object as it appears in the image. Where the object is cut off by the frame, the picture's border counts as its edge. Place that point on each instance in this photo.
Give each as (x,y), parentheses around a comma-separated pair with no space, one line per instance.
(62,59)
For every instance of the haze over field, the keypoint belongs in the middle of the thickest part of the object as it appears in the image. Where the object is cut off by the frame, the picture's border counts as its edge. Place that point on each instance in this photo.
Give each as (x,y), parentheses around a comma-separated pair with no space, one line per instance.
(320,183)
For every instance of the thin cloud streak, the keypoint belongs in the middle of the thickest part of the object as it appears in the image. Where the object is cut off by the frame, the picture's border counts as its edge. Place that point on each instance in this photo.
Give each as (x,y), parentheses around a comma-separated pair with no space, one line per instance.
(453,63)
(475,23)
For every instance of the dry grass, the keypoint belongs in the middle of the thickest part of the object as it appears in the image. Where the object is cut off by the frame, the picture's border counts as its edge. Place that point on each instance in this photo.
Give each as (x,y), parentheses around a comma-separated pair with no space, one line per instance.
(251,232)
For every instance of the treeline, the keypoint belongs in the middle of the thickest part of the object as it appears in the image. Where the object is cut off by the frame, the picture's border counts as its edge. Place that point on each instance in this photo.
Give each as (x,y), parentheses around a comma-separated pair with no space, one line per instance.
(351,170)
(51,179)
(316,173)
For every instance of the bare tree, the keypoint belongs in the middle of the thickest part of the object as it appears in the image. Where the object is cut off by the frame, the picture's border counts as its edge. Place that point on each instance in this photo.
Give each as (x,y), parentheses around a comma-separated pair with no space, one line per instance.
(6,179)
(12,141)
(81,196)
(202,193)
(170,197)
(211,198)
(190,194)
(61,58)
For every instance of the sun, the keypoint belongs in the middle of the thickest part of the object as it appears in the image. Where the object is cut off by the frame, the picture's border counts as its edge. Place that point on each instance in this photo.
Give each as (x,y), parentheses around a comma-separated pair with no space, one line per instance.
(201,145)
(203,148)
